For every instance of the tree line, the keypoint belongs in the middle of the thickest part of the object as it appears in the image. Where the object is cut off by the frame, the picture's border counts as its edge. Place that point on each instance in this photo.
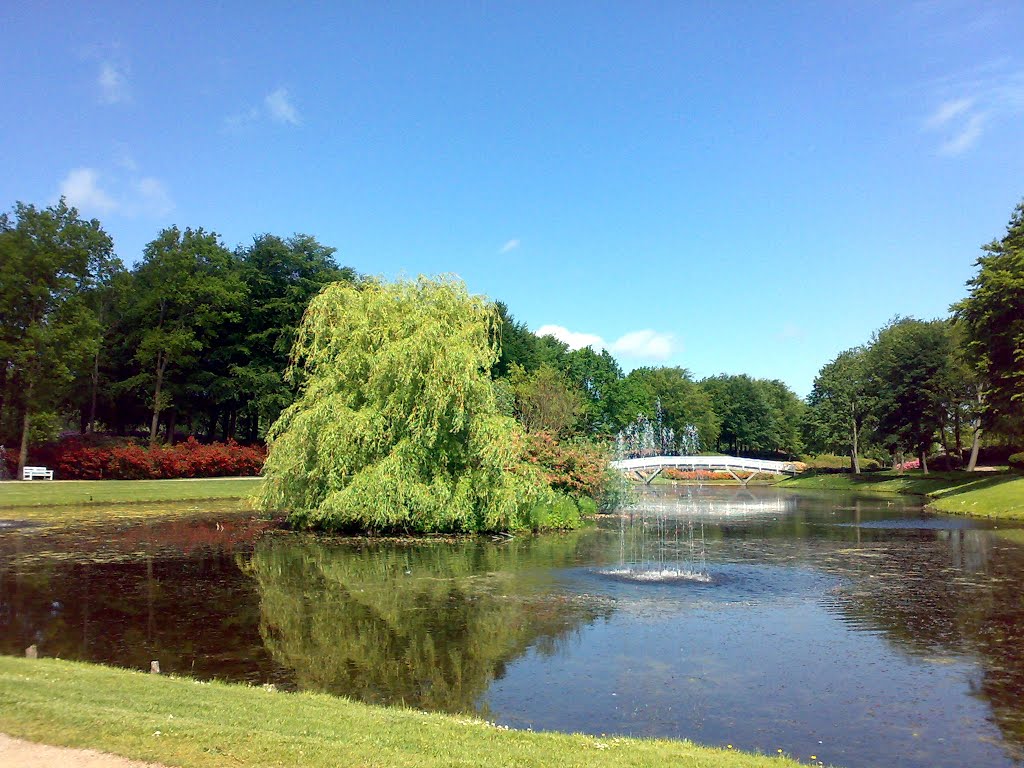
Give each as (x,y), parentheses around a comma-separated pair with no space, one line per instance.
(195,339)
(918,386)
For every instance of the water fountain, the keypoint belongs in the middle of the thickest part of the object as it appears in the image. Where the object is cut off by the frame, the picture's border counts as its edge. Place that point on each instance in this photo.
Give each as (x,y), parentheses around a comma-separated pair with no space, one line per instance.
(655,546)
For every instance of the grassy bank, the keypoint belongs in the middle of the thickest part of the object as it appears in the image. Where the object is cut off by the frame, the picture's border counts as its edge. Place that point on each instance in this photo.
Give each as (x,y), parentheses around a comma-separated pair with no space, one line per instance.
(52,493)
(989,494)
(178,721)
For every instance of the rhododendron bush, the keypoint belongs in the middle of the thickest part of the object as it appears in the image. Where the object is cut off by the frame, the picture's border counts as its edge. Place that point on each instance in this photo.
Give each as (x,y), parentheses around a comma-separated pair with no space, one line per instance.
(74,460)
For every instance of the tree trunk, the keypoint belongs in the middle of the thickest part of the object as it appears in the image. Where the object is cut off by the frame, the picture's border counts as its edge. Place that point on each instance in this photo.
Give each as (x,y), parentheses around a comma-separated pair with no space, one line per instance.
(976,440)
(23,455)
(3,394)
(91,426)
(923,457)
(156,400)
(975,446)
(944,439)
(172,417)
(957,436)
(854,450)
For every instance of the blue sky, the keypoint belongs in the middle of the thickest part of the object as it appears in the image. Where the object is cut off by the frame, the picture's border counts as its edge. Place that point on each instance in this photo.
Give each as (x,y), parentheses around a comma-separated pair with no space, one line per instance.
(730,187)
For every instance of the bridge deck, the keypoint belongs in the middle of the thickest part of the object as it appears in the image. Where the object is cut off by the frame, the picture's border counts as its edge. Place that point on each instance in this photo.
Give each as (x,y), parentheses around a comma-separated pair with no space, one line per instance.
(725,463)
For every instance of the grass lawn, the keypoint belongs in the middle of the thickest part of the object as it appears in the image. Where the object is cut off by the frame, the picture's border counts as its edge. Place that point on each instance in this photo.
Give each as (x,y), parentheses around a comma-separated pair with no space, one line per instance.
(50,493)
(987,494)
(178,721)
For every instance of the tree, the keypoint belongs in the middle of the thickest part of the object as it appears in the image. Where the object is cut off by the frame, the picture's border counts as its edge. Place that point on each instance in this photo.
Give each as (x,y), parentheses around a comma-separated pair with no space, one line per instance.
(396,426)
(597,374)
(748,424)
(49,260)
(544,400)
(186,292)
(281,276)
(839,405)
(518,345)
(682,401)
(992,316)
(908,371)
(966,394)
(787,413)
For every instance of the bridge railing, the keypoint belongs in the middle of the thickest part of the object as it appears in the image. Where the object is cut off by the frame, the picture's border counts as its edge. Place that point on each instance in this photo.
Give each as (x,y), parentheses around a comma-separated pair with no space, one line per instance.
(705,462)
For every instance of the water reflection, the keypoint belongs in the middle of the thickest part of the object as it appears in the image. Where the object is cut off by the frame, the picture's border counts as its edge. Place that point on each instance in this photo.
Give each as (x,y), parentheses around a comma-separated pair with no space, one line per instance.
(129,594)
(425,625)
(862,630)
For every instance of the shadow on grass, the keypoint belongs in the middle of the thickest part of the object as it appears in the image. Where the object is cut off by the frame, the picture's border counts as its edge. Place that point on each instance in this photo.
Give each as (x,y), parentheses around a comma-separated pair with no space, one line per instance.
(979,484)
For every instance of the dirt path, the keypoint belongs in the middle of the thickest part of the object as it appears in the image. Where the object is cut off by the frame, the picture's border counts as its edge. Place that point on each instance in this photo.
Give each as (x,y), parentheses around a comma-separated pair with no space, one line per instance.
(15,753)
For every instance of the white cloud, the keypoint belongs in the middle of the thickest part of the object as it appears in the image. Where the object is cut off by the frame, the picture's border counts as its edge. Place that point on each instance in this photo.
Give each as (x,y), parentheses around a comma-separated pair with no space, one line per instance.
(511,245)
(82,190)
(966,137)
(131,196)
(947,111)
(989,95)
(152,197)
(113,83)
(241,119)
(280,107)
(572,338)
(277,106)
(791,332)
(644,344)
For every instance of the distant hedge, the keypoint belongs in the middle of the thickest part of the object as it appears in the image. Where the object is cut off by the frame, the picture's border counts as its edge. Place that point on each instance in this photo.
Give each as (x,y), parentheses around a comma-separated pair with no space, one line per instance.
(74,460)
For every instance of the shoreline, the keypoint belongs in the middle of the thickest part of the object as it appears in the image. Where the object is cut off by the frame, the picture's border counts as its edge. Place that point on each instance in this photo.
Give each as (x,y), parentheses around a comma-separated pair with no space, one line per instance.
(185,722)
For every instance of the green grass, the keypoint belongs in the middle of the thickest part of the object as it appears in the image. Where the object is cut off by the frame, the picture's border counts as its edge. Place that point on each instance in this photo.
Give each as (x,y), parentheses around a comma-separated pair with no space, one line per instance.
(50,493)
(988,494)
(181,722)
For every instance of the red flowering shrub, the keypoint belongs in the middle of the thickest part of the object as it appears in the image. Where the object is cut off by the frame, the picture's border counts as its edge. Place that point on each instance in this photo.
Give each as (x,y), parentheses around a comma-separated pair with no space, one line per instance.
(130,461)
(671,473)
(575,468)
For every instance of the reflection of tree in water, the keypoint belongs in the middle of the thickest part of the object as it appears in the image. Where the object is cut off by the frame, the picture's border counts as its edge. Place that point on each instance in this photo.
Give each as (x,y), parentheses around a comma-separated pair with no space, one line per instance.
(953,592)
(428,625)
(169,591)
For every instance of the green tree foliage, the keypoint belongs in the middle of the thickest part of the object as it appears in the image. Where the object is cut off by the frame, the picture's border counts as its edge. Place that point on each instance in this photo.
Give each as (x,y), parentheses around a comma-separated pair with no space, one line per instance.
(748,422)
(185,298)
(683,402)
(787,413)
(281,276)
(544,400)
(598,375)
(840,405)
(396,425)
(909,372)
(50,262)
(519,346)
(992,315)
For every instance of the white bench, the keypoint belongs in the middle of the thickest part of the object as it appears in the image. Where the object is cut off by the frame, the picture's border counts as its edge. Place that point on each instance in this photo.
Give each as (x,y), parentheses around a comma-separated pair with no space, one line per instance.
(31,473)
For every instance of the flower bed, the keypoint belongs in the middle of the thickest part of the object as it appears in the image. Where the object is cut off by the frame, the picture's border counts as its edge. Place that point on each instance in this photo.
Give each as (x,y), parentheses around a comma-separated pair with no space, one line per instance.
(671,473)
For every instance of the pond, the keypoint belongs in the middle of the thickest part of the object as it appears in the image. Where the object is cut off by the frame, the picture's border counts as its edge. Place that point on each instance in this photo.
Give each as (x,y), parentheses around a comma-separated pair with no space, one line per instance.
(859,630)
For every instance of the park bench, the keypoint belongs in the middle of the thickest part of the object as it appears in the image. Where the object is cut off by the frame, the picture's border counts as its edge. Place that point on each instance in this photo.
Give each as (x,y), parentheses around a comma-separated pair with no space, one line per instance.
(31,473)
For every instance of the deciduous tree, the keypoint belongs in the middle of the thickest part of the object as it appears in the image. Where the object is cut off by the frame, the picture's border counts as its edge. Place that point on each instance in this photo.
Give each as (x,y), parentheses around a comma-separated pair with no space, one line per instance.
(396,425)
(185,294)
(992,315)
(49,260)
(840,405)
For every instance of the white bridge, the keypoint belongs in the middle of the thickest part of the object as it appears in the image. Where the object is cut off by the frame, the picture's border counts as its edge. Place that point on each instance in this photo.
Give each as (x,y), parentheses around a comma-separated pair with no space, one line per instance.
(650,467)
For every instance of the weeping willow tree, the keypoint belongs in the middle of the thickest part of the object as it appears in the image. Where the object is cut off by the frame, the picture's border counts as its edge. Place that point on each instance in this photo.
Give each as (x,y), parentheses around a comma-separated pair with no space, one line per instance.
(396,426)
